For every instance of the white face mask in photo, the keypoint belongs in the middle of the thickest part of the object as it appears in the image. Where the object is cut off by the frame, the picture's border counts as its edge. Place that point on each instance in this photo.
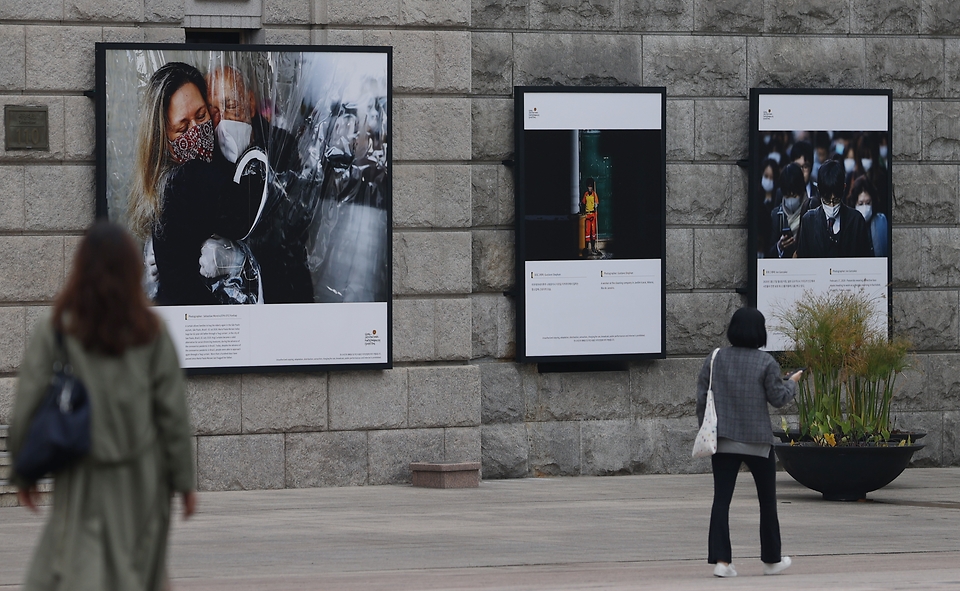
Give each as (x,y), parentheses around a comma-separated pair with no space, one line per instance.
(866,211)
(883,151)
(866,163)
(234,138)
(831,210)
(791,204)
(767,184)
(849,164)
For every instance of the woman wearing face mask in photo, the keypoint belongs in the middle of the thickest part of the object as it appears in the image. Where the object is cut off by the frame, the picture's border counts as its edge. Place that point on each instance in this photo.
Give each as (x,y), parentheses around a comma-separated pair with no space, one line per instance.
(873,165)
(862,199)
(853,164)
(883,152)
(785,218)
(768,200)
(181,196)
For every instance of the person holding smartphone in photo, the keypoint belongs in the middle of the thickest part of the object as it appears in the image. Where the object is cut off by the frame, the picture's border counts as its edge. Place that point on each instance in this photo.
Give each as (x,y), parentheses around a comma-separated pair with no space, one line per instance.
(785,218)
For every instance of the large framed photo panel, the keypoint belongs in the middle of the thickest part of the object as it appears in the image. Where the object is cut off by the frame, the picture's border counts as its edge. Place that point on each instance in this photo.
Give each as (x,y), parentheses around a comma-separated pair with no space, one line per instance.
(590,210)
(820,199)
(257,180)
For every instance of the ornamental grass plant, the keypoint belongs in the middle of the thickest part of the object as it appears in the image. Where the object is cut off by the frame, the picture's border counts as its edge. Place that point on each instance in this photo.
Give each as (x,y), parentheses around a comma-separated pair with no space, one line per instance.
(847,390)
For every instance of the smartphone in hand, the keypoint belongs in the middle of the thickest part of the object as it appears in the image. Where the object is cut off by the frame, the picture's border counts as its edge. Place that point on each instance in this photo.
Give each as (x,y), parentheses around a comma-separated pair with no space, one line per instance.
(785,230)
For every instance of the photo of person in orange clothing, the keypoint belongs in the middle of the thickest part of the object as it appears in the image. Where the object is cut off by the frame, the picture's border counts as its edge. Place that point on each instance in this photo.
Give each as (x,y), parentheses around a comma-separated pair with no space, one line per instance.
(589,206)
(591,195)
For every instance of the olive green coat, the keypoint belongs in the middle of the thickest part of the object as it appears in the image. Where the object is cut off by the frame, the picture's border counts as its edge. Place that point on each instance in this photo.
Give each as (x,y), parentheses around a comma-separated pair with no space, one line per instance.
(111,511)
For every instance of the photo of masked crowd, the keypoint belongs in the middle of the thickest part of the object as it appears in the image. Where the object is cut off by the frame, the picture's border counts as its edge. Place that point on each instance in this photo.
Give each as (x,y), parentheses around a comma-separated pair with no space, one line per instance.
(251,177)
(822,194)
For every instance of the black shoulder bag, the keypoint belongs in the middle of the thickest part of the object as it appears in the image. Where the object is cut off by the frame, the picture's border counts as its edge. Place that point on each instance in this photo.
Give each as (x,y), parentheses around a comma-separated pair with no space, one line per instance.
(59,432)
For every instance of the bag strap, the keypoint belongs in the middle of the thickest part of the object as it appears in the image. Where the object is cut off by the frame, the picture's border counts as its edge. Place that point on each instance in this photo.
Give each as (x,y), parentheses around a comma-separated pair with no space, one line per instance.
(62,361)
(712,357)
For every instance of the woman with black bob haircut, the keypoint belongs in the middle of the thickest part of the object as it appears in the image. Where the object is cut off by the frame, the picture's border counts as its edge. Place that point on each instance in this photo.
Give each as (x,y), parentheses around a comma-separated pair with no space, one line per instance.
(745,380)
(748,329)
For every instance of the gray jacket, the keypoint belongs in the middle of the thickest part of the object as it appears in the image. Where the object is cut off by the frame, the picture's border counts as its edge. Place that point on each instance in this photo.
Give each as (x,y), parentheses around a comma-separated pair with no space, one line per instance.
(744,381)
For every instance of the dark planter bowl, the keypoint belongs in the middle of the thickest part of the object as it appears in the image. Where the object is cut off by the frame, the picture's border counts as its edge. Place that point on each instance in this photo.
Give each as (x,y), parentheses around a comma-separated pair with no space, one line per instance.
(895,436)
(844,473)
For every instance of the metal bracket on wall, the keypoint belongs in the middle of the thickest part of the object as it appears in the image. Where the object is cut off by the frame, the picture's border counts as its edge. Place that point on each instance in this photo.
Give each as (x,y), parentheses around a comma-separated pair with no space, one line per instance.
(582,366)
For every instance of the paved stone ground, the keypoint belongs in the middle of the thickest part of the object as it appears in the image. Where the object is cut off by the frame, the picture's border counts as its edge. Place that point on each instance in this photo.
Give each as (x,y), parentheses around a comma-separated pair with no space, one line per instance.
(628,532)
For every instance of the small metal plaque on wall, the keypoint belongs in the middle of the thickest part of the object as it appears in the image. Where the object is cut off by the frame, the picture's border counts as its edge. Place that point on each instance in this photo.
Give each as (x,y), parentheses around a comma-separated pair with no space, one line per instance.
(26,128)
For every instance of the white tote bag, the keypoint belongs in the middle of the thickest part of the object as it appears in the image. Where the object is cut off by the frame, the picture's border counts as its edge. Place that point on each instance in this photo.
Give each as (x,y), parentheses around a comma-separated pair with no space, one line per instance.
(706,443)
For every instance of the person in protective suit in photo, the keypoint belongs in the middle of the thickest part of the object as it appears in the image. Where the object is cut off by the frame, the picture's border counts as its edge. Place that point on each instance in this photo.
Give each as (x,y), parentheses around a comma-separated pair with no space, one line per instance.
(589,206)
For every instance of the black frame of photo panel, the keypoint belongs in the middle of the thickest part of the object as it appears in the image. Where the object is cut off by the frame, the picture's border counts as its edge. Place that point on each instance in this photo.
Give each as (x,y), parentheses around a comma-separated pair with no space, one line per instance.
(590,271)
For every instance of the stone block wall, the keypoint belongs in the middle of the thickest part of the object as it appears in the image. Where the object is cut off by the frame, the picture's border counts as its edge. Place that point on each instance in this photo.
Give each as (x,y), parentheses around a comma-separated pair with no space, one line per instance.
(456,393)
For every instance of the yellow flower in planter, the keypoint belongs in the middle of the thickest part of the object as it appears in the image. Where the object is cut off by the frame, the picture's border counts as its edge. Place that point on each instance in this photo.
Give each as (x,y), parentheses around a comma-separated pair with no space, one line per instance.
(826,440)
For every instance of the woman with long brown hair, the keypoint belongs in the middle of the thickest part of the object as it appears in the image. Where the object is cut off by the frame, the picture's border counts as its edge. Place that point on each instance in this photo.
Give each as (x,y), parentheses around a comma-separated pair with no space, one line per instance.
(184,190)
(111,509)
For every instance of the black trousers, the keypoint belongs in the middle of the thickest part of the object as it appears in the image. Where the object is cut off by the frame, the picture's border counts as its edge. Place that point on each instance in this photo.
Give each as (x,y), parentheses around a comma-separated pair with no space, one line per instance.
(725,470)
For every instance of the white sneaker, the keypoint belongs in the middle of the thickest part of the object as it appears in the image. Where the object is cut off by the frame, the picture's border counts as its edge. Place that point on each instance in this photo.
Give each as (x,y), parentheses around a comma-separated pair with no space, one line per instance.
(772,568)
(724,570)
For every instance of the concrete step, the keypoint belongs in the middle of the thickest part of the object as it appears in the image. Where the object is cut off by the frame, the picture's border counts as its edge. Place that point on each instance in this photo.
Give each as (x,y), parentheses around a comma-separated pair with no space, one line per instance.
(8,493)
(5,460)
(43,485)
